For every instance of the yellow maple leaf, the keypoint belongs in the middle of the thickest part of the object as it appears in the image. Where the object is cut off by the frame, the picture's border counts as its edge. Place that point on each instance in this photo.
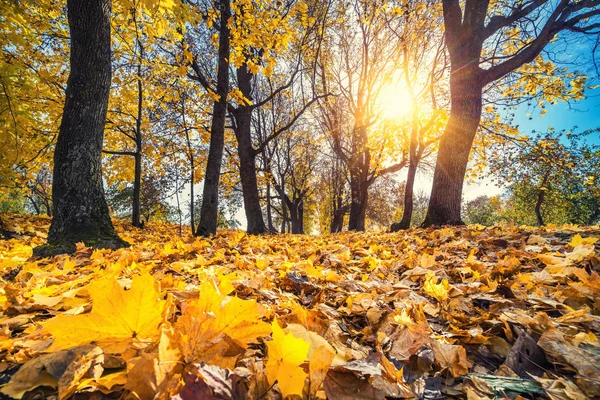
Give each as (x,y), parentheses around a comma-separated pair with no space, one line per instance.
(216,328)
(286,353)
(578,240)
(434,289)
(118,317)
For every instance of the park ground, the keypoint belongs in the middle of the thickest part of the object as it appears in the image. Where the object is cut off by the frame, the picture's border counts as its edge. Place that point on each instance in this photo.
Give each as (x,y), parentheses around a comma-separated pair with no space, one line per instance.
(465,312)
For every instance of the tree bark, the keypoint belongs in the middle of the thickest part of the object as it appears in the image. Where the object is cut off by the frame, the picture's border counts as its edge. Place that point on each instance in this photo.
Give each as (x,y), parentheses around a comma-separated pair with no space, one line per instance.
(408,196)
(80,210)
(453,155)
(137,185)
(538,207)
(270,225)
(360,164)
(137,182)
(337,222)
(247,155)
(210,194)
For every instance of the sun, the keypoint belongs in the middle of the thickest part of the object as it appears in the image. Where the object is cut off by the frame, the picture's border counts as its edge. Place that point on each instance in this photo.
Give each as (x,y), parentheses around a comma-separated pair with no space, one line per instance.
(395,102)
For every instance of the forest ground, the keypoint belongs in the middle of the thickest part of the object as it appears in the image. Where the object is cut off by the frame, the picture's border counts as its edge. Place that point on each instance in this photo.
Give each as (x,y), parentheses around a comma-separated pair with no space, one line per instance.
(477,312)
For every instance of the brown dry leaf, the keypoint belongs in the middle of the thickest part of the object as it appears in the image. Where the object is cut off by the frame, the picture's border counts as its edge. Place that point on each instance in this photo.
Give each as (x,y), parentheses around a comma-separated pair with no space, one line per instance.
(362,379)
(47,370)
(85,365)
(212,382)
(584,359)
(320,361)
(561,389)
(148,374)
(452,357)
(407,330)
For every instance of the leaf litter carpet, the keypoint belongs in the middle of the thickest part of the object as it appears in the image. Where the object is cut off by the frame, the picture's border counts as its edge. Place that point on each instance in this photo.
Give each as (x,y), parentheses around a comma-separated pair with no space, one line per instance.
(468,312)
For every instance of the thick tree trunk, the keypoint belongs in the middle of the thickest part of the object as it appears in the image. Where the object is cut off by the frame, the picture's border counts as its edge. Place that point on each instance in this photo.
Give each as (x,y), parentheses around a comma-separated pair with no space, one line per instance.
(247,155)
(359,190)
(210,195)
(359,180)
(453,155)
(297,216)
(80,209)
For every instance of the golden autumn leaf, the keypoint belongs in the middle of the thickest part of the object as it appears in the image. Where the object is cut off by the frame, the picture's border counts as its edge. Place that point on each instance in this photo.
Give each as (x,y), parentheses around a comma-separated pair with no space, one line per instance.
(216,328)
(437,290)
(577,240)
(286,353)
(119,318)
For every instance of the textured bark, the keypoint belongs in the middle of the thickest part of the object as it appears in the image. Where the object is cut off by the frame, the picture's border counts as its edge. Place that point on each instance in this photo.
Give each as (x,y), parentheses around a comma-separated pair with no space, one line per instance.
(210,195)
(297,216)
(359,179)
(453,155)
(247,155)
(80,209)
(358,205)
(466,87)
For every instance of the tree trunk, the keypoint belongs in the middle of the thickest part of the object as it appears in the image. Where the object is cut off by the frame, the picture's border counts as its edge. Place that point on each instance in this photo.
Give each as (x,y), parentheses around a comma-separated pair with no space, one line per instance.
(284,218)
(540,199)
(337,222)
(137,182)
(538,207)
(137,185)
(247,155)
(408,196)
(358,207)
(297,216)
(210,195)
(270,225)
(80,209)
(35,206)
(359,179)
(453,155)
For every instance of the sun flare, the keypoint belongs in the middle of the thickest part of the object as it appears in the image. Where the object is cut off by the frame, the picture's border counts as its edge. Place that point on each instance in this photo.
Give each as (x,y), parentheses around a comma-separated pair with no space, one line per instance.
(395,102)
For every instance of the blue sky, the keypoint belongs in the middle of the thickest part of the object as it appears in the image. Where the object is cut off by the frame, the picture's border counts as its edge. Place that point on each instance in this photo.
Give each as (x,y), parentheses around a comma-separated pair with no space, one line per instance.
(585,114)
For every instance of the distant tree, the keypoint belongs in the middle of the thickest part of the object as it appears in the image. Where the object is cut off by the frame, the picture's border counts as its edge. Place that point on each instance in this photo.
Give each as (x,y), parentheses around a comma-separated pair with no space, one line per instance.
(551,174)
(80,209)
(385,202)
(424,69)
(357,61)
(39,193)
(483,210)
